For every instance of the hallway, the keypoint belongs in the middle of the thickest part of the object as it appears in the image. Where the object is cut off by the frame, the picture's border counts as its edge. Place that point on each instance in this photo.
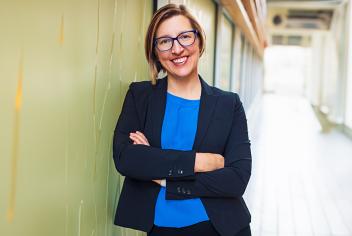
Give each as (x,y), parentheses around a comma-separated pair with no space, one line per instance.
(301,177)
(66,67)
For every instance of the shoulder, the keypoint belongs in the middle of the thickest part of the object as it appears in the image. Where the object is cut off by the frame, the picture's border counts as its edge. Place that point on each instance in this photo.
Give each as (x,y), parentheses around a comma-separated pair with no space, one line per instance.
(141,86)
(141,90)
(217,92)
(229,106)
(227,97)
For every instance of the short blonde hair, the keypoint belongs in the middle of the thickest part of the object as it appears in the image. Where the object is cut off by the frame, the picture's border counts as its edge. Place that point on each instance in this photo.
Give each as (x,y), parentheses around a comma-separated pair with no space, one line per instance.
(164,13)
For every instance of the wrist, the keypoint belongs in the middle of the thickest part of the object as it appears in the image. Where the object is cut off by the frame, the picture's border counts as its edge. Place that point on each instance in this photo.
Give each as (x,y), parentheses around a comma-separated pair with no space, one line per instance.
(196,163)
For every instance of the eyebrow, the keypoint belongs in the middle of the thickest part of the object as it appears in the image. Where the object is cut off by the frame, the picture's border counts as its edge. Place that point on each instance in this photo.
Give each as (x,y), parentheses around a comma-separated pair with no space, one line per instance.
(169,36)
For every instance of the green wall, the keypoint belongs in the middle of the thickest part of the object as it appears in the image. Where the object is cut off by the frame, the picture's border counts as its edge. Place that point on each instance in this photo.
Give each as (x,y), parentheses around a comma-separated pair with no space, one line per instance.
(64,70)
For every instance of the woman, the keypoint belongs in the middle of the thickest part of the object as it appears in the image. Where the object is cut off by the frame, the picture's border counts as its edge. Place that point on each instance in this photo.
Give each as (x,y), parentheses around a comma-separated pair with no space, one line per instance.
(182,144)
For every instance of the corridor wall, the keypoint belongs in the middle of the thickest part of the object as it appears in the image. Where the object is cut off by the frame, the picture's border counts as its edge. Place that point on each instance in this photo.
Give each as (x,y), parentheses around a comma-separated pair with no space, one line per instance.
(348,105)
(65,67)
(329,87)
(225,44)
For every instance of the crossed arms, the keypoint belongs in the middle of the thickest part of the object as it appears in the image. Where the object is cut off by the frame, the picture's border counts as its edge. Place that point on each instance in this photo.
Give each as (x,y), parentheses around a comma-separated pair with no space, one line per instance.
(188,174)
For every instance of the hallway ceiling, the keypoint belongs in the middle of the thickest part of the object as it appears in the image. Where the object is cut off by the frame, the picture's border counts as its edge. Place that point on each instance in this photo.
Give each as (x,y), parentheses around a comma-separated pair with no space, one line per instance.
(291,22)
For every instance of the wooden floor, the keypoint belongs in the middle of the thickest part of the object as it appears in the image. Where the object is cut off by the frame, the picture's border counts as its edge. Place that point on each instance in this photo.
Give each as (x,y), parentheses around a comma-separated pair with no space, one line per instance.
(301,180)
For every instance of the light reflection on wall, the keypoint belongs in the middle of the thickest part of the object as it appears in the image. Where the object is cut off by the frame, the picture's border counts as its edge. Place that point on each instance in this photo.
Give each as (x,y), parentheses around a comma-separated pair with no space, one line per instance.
(65,68)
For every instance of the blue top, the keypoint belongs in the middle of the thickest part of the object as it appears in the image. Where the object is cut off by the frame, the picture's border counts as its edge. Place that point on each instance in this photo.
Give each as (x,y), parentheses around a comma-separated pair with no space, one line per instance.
(178,133)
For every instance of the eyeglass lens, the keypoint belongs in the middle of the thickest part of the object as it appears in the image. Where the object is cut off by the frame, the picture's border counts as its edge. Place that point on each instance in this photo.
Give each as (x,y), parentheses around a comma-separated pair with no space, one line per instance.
(185,39)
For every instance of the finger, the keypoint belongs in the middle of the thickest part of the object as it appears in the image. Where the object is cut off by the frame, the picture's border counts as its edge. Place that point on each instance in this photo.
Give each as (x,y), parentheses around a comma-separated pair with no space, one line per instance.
(142,136)
(134,139)
(138,139)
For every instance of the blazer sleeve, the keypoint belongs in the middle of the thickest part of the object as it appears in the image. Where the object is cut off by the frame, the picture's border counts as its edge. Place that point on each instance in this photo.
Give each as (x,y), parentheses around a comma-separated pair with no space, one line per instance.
(145,162)
(230,181)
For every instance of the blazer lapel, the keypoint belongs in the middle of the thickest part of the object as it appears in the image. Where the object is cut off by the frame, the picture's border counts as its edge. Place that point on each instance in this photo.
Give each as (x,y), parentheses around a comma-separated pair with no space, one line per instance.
(158,104)
(206,111)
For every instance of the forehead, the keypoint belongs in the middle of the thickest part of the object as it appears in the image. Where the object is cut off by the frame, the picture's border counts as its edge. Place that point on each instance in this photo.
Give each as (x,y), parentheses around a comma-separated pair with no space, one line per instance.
(173,26)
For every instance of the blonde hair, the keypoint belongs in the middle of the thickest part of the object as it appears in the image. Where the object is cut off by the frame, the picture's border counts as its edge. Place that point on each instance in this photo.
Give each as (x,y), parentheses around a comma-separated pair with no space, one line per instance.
(164,13)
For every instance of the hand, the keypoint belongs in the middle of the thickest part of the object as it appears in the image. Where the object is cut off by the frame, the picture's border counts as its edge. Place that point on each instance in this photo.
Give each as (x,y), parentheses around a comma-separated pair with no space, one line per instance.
(139,138)
(208,162)
(158,181)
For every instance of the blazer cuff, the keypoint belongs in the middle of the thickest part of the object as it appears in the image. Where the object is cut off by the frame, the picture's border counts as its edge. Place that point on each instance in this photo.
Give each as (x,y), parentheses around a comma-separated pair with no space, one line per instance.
(179,190)
(183,167)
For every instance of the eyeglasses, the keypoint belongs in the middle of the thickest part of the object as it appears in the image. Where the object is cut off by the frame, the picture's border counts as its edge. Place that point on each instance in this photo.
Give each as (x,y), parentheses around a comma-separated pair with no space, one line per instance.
(185,39)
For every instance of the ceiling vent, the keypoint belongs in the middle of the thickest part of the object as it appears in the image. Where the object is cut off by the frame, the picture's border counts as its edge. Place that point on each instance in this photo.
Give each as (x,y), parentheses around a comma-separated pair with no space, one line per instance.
(309,19)
(281,18)
(290,40)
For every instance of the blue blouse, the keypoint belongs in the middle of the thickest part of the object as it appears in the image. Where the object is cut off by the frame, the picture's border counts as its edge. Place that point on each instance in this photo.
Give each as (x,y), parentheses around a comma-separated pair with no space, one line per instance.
(178,133)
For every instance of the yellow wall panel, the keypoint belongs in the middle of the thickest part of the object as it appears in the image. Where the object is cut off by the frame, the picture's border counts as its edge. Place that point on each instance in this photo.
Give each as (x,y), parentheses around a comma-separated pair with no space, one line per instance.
(67,65)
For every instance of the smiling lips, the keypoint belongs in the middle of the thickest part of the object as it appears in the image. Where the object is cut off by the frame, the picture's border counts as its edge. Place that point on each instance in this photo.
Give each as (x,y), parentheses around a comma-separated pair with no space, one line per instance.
(180,61)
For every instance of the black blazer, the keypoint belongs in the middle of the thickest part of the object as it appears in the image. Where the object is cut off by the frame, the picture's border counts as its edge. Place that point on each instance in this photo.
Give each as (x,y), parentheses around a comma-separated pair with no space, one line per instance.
(222,129)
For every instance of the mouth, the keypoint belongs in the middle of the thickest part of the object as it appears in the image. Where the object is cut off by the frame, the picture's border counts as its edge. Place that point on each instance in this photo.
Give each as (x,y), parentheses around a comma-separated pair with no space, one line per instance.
(180,60)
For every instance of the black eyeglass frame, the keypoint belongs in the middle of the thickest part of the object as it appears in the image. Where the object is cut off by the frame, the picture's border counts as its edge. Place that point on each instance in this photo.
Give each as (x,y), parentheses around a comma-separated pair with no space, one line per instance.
(176,38)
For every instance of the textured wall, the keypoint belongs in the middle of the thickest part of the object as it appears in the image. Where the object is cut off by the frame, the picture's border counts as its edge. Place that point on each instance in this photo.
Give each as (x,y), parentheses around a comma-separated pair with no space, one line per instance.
(64,69)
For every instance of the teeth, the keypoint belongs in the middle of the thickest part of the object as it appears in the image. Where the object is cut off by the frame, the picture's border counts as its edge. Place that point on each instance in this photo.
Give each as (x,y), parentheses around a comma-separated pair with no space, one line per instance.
(180,60)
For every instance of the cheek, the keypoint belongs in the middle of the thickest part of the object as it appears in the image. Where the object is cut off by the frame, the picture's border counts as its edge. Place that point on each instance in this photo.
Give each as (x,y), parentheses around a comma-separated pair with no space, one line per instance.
(195,54)
(197,46)
(195,50)
(162,57)
(163,62)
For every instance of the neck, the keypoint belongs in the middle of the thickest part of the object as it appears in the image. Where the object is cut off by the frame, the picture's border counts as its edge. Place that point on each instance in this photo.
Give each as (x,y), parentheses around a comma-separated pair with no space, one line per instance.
(189,88)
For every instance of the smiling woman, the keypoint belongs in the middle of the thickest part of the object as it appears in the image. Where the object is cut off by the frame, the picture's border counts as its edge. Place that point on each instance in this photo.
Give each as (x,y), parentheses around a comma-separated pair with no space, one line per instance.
(182,144)
(180,58)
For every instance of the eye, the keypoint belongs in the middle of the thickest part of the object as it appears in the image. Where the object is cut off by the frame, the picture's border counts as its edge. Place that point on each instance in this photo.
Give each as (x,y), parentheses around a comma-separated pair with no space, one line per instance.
(164,41)
(185,36)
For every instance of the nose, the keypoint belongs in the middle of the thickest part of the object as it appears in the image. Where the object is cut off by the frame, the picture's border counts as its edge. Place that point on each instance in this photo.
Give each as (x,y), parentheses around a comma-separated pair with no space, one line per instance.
(177,48)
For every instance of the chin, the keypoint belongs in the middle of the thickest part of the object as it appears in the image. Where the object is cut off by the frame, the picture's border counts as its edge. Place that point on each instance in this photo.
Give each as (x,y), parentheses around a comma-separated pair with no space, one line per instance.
(182,73)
